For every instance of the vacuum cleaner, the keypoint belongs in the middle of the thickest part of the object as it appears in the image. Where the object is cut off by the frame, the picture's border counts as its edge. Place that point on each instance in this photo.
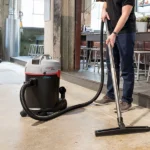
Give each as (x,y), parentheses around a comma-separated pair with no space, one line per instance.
(39,95)
(40,92)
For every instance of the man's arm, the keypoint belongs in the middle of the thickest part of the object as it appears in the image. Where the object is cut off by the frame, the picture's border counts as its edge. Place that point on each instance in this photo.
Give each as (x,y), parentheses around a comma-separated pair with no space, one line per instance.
(104,12)
(105,6)
(126,10)
(127,6)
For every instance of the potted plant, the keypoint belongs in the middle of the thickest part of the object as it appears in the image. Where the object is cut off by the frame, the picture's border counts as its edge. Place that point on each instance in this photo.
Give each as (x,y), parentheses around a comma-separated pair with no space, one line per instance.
(141,24)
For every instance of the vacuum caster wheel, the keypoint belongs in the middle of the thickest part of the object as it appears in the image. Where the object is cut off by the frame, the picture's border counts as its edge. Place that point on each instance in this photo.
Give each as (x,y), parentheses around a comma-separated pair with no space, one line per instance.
(0,60)
(23,113)
(63,104)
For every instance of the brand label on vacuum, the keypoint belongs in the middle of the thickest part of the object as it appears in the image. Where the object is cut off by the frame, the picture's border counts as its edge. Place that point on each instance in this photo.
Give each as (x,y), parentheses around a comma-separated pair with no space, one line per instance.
(46,77)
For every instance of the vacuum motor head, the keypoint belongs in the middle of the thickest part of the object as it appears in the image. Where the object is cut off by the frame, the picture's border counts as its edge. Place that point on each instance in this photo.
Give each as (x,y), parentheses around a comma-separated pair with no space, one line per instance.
(42,65)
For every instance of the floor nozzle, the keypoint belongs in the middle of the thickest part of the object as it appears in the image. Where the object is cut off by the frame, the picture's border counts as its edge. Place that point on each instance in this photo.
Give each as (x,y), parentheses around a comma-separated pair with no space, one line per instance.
(119,131)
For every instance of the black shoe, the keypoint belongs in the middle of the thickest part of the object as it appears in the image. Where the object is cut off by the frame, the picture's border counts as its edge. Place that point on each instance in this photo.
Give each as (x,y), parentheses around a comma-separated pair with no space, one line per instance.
(105,100)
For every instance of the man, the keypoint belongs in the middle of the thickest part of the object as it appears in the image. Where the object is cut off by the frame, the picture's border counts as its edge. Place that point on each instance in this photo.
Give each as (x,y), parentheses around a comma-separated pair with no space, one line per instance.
(122,28)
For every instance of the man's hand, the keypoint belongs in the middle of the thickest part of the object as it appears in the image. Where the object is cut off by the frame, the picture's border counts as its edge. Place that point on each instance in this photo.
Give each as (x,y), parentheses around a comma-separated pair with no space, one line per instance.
(111,40)
(105,15)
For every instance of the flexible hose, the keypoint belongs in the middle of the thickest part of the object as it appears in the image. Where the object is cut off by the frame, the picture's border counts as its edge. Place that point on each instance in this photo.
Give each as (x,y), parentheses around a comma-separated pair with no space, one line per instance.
(57,114)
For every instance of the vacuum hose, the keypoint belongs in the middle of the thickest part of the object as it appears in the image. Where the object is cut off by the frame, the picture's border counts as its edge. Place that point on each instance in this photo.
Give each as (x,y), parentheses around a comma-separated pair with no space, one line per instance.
(57,114)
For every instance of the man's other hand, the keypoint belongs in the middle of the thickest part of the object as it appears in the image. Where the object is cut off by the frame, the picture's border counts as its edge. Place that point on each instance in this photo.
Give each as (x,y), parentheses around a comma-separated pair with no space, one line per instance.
(105,15)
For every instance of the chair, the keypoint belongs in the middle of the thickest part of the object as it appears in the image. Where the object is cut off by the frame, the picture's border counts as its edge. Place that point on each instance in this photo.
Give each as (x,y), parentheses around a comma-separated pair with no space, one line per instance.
(35,50)
(32,50)
(40,50)
(139,51)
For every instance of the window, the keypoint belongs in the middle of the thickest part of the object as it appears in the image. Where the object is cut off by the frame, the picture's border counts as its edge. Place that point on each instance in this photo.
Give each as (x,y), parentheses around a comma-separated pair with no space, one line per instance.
(33,13)
(38,7)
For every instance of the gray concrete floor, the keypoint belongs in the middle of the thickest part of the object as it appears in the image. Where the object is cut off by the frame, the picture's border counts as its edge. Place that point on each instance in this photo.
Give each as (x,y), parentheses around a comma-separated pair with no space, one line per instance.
(72,131)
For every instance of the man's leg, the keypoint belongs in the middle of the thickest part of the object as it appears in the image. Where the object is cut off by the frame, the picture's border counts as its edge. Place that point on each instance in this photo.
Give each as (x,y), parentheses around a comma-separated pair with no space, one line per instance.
(109,97)
(125,43)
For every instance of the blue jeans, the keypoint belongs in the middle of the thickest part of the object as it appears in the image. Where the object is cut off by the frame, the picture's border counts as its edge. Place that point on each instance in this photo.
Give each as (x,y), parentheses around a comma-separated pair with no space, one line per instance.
(123,52)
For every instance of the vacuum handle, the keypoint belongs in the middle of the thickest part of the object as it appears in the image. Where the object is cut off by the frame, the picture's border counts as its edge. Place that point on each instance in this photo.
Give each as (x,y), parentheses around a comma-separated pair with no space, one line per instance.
(47,56)
(40,58)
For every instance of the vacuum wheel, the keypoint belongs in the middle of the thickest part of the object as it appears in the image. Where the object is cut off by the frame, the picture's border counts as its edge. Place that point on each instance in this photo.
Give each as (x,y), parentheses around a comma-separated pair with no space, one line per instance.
(63,104)
(23,113)
(0,60)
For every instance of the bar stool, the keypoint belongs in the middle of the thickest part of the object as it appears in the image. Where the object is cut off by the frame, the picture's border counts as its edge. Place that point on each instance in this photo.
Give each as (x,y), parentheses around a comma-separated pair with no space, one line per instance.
(138,72)
(35,50)
(32,50)
(96,57)
(84,55)
(148,73)
(93,52)
(40,49)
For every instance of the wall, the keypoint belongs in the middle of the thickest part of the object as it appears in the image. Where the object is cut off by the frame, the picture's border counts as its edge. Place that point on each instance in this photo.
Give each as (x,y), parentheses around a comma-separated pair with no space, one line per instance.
(68,35)
(86,12)
(60,33)
(0,29)
(3,16)
(1,51)
(1,13)
(48,34)
(53,30)
(57,30)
